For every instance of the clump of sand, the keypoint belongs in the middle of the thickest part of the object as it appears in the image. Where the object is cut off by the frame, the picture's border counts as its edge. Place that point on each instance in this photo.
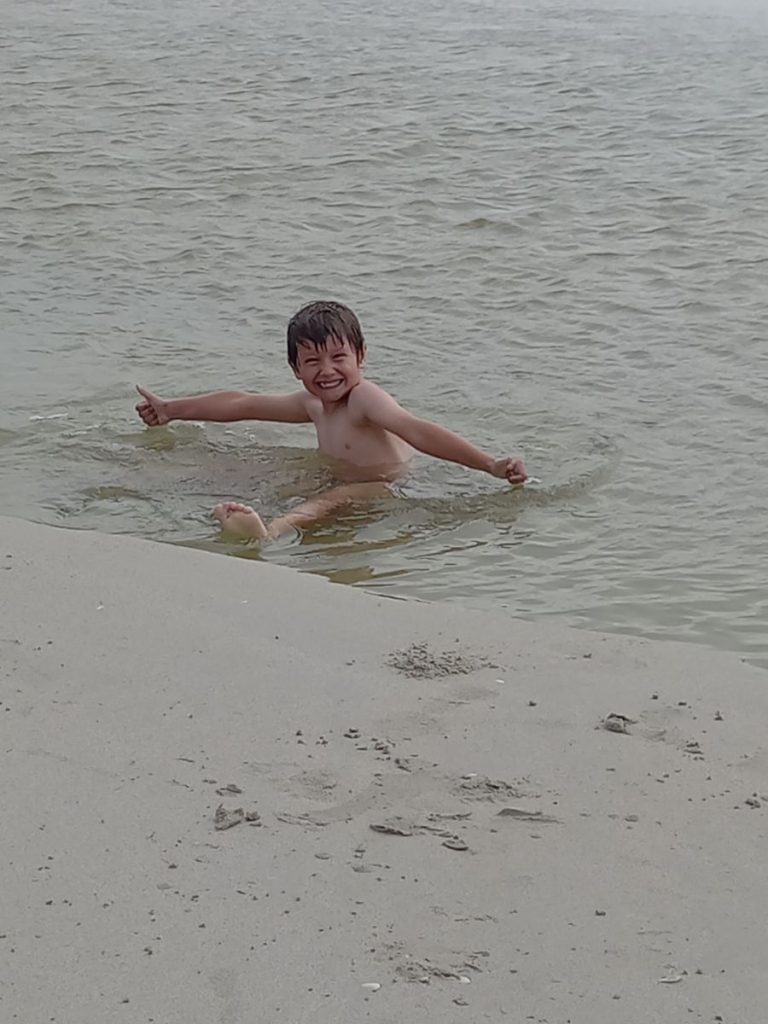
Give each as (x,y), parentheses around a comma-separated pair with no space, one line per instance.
(418,662)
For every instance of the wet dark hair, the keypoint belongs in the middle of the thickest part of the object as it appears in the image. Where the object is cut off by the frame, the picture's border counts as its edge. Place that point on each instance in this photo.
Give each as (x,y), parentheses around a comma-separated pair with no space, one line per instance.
(316,322)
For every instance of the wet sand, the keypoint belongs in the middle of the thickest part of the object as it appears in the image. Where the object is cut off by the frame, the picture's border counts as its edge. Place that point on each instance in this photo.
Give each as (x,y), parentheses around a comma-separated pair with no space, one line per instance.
(424,813)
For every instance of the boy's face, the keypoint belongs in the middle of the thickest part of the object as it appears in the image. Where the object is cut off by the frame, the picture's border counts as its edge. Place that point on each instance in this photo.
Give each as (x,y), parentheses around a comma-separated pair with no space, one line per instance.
(329,373)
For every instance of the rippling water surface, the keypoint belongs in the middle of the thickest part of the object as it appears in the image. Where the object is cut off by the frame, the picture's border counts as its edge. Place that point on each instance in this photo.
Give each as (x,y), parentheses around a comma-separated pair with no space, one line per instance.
(551,217)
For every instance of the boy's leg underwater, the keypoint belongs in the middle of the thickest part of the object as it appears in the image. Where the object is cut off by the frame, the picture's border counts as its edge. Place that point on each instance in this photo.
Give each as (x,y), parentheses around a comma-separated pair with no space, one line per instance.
(242,521)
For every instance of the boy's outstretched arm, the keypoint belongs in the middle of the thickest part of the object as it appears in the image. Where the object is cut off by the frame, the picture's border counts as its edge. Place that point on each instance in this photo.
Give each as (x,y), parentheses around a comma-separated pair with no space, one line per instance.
(380,408)
(222,407)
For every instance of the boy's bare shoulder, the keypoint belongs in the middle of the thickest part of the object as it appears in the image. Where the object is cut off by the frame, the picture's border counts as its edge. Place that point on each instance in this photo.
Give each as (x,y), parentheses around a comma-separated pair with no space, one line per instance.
(312,405)
(366,396)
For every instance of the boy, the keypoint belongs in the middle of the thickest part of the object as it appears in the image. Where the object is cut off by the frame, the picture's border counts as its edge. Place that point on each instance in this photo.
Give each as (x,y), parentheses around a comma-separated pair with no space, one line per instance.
(356,422)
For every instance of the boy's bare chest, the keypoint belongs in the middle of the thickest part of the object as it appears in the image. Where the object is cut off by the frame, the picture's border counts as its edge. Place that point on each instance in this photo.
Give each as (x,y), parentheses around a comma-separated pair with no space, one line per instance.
(343,437)
(337,433)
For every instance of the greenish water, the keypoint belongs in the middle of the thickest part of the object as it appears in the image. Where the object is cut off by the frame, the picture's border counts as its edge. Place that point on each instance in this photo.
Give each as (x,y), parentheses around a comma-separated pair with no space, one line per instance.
(552,219)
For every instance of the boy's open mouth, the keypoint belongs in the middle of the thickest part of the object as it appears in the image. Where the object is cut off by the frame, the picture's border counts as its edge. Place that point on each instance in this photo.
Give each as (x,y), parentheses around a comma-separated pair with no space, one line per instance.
(327,385)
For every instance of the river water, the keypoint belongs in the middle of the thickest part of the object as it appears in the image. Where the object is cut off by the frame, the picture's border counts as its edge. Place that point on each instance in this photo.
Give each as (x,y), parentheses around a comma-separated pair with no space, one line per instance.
(551,218)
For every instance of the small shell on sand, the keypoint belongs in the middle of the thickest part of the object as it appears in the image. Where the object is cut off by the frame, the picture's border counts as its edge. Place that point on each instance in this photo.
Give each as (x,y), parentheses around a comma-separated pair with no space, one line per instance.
(224,819)
(455,843)
(616,723)
(393,827)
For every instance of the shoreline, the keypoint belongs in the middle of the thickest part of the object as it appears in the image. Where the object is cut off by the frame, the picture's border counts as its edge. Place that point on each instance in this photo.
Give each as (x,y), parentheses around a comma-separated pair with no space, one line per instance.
(526,862)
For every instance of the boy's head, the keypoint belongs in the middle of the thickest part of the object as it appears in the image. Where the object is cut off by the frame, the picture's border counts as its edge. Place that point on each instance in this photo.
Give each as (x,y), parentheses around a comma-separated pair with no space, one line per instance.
(320,322)
(326,349)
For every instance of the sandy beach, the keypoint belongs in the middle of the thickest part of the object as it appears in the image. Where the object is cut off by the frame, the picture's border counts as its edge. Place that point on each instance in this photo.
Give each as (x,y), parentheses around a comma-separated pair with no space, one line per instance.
(435,814)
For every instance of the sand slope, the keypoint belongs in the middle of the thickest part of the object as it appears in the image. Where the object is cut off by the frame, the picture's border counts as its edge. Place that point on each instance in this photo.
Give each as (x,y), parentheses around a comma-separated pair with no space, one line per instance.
(137,680)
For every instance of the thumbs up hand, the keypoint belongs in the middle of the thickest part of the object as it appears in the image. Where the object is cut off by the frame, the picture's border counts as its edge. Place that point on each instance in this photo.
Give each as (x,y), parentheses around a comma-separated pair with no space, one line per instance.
(152,409)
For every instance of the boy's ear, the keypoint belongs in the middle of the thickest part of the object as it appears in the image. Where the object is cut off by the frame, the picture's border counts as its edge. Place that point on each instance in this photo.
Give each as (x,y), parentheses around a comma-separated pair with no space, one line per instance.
(361,357)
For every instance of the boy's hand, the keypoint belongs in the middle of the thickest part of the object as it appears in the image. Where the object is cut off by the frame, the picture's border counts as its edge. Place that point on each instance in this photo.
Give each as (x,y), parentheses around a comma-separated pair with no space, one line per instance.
(153,410)
(511,470)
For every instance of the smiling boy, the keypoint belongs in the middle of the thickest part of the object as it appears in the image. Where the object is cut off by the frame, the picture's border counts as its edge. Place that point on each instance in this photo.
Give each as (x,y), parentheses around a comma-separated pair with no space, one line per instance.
(356,421)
